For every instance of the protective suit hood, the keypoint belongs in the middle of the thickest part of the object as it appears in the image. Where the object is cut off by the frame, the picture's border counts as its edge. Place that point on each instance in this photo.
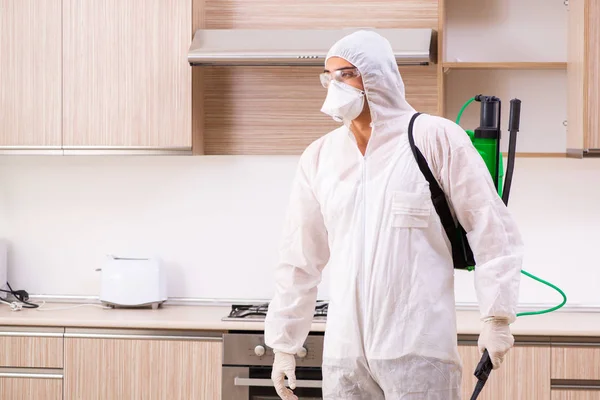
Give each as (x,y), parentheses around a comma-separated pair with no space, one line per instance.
(372,54)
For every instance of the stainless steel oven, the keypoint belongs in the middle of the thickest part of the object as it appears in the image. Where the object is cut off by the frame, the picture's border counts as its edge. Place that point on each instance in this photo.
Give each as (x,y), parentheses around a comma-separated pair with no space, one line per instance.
(247,364)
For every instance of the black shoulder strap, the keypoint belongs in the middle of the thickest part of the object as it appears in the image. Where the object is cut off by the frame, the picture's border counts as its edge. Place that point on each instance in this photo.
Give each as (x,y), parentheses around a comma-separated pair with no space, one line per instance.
(462,255)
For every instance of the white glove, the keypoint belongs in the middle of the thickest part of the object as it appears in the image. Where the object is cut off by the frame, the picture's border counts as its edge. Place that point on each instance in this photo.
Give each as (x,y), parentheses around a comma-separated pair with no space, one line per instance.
(284,365)
(496,338)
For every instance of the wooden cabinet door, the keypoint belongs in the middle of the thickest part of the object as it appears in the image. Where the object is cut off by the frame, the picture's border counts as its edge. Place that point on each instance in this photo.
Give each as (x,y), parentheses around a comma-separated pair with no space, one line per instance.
(572,362)
(130,367)
(524,374)
(592,80)
(127,82)
(30,73)
(583,78)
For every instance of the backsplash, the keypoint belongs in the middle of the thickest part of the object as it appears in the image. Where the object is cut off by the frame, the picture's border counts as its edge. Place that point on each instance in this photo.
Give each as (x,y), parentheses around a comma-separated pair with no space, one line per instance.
(216,221)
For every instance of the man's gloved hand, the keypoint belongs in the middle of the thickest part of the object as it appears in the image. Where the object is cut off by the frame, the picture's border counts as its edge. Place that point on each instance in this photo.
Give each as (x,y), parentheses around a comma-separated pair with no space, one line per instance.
(284,365)
(496,338)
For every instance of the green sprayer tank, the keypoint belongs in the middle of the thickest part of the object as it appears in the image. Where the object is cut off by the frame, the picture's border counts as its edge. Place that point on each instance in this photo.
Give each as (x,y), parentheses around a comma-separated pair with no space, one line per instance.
(486,138)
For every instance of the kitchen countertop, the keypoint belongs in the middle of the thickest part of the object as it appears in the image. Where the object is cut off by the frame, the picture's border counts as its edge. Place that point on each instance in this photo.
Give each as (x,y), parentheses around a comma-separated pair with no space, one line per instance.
(208,318)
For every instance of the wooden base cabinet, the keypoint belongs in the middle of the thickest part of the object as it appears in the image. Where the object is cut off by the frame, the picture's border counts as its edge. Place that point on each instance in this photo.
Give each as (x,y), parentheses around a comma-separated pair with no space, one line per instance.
(576,362)
(576,369)
(31,361)
(524,374)
(141,366)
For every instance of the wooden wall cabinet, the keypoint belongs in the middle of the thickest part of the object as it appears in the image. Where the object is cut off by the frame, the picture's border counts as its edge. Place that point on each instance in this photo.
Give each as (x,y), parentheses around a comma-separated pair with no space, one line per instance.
(583,131)
(138,365)
(95,74)
(30,74)
(524,374)
(275,110)
(104,75)
(126,79)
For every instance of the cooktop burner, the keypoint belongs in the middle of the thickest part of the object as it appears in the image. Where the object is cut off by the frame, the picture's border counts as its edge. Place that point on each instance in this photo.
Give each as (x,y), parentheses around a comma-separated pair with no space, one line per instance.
(258,312)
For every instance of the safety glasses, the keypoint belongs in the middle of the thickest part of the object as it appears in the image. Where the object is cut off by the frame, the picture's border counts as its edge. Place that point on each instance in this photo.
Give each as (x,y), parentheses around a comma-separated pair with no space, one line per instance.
(340,75)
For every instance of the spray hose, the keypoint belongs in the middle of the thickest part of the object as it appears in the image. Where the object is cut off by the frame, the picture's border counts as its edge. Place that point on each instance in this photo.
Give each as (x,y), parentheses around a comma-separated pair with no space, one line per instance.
(462,109)
(484,368)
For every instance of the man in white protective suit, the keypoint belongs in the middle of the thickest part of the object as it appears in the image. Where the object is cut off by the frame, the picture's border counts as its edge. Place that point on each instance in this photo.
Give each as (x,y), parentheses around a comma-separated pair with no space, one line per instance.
(361,206)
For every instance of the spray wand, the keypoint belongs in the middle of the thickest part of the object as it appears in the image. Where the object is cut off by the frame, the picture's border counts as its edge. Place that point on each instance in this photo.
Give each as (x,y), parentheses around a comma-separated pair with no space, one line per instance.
(486,140)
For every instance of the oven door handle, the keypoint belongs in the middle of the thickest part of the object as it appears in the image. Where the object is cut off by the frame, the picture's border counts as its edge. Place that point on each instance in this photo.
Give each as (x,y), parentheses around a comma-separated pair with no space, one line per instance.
(269,383)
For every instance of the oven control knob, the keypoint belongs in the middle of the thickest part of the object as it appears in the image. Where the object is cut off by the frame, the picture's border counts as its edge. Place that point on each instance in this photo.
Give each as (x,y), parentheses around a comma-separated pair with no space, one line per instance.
(302,352)
(259,350)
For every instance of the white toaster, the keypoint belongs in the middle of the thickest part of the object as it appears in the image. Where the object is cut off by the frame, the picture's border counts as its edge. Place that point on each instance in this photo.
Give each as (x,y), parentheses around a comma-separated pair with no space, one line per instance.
(133,282)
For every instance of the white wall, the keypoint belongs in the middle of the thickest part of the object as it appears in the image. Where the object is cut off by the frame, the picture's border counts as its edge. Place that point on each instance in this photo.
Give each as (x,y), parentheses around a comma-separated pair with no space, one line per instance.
(216,222)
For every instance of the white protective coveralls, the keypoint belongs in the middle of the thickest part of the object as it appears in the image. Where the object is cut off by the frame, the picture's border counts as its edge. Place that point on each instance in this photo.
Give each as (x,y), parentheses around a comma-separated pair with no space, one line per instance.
(391,324)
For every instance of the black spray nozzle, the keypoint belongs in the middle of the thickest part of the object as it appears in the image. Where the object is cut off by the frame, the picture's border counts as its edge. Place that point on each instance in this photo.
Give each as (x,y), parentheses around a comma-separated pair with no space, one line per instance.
(515,115)
(482,373)
(484,368)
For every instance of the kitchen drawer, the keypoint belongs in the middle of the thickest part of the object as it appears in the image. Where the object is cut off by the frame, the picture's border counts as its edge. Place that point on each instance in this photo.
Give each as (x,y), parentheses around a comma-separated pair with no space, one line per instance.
(576,361)
(31,347)
(575,394)
(31,384)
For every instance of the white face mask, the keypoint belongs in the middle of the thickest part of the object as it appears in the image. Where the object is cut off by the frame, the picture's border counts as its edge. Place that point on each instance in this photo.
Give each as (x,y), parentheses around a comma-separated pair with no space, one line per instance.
(343,102)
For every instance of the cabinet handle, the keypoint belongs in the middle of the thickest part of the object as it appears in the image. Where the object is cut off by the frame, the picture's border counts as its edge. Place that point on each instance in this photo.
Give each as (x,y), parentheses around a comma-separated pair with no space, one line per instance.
(575,387)
(575,344)
(127,150)
(30,375)
(31,334)
(29,150)
(269,383)
(141,337)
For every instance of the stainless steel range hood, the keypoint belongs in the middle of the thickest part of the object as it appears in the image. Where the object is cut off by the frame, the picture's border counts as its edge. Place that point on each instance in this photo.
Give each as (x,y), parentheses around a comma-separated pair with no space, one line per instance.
(299,47)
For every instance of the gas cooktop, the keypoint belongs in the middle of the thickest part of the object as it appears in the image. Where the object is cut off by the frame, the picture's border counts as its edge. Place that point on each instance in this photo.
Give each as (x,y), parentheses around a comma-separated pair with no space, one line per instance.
(258,312)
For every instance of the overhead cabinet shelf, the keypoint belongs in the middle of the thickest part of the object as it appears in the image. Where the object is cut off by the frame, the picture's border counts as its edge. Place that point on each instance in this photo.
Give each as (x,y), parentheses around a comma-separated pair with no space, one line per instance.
(299,47)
